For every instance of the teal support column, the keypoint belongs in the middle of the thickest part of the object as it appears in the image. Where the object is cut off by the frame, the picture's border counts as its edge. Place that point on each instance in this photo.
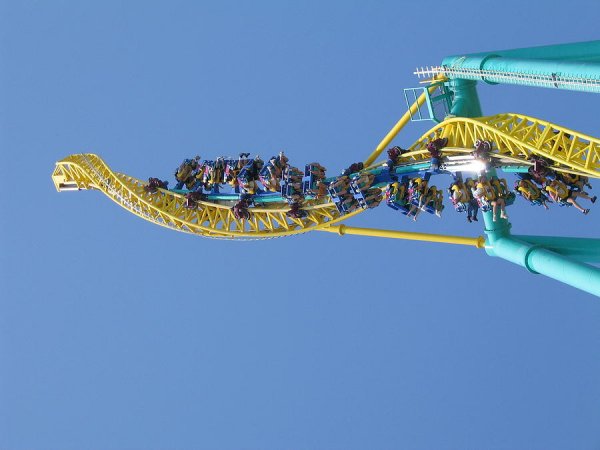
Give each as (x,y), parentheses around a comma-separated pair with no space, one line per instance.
(574,51)
(466,101)
(573,66)
(559,258)
(563,259)
(543,261)
(578,249)
(564,269)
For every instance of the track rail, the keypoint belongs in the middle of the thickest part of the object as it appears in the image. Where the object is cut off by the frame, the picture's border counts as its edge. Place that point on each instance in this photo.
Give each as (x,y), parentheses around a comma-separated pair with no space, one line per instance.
(166,208)
(516,138)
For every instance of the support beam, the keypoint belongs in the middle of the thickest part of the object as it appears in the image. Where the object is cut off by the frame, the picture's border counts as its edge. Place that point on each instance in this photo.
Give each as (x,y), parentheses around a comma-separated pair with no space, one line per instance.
(578,249)
(567,66)
(466,101)
(399,125)
(478,242)
(540,260)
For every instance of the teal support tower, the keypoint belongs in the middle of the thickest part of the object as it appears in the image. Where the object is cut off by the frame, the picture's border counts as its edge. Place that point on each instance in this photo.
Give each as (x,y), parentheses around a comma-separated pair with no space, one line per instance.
(568,66)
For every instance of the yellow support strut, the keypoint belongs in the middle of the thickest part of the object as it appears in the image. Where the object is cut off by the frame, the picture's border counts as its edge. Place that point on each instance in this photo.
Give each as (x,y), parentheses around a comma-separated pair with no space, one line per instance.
(478,242)
(399,125)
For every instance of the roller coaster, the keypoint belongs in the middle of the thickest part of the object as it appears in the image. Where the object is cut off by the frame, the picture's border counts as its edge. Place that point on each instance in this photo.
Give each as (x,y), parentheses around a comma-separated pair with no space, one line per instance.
(517,142)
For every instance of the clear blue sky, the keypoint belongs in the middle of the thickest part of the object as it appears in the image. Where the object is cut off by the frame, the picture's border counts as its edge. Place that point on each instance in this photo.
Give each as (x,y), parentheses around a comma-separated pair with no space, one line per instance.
(118,334)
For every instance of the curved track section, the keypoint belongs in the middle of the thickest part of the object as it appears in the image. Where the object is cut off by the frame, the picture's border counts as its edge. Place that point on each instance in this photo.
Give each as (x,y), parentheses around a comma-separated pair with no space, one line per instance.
(516,138)
(166,208)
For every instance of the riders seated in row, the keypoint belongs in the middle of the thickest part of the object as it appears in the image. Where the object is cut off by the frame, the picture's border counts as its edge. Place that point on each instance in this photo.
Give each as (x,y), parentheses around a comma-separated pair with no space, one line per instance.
(422,196)
(541,184)
(544,182)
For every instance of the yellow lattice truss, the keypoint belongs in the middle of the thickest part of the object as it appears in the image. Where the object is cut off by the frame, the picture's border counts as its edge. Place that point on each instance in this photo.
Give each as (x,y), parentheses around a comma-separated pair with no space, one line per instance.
(516,138)
(166,208)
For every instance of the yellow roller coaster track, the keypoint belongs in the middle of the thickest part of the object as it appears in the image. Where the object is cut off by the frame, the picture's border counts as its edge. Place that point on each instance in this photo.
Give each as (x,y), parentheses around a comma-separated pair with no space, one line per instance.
(516,138)
(166,208)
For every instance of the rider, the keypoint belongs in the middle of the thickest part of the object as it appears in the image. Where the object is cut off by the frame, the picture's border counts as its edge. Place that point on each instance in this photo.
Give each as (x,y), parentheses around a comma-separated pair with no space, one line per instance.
(295,211)
(394,155)
(531,192)
(434,198)
(373,197)
(500,186)
(434,148)
(482,150)
(560,193)
(575,181)
(364,181)
(154,184)
(354,167)
(417,191)
(486,191)
(316,170)
(461,193)
(397,193)
(240,209)
(340,186)
(192,198)
(185,172)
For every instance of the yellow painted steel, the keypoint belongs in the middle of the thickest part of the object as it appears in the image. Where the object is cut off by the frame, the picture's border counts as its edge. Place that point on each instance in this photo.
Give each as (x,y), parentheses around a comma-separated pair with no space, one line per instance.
(516,138)
(399,125)
(342,230)
(166,208)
